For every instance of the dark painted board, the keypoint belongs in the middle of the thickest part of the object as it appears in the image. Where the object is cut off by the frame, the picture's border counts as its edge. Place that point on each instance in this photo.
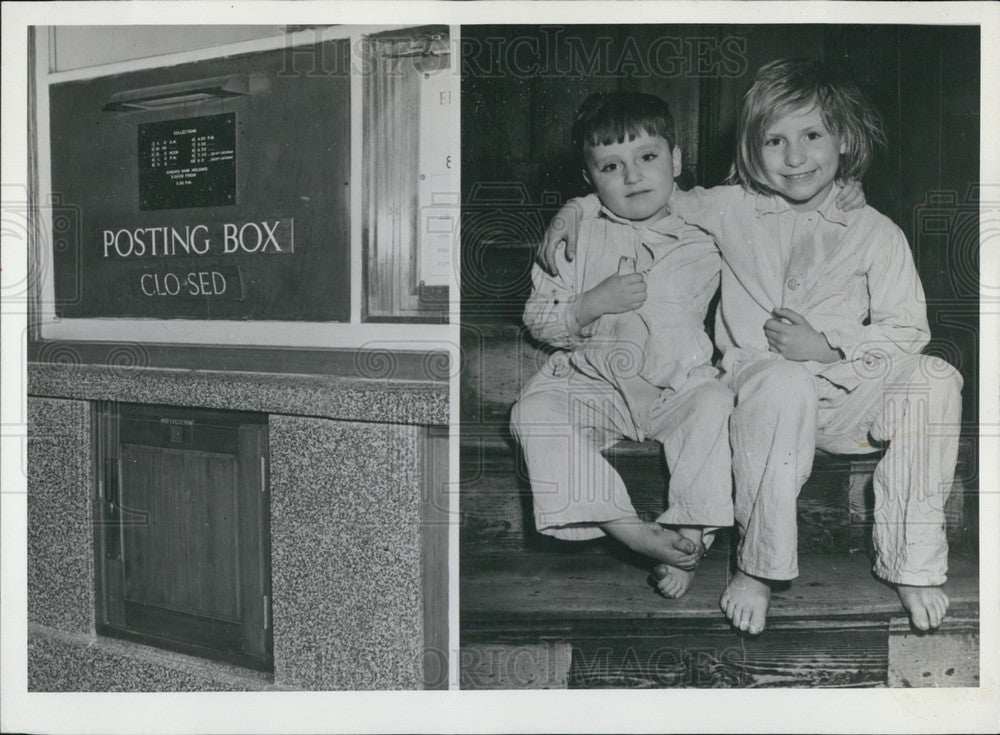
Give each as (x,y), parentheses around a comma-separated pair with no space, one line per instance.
(187,163)
(220,259)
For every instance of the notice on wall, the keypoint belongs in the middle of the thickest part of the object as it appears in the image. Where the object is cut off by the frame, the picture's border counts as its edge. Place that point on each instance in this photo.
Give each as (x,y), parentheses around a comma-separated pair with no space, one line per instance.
(187,163)
(219,208)
(191,246)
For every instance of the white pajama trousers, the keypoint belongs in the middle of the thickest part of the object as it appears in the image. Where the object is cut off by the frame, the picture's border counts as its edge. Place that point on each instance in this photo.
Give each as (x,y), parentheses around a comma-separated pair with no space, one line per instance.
(783,412)
(563,419)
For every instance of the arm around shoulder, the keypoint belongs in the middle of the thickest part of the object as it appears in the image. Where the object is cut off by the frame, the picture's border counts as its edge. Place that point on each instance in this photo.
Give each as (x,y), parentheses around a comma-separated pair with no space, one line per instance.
(706,208)
(564,228)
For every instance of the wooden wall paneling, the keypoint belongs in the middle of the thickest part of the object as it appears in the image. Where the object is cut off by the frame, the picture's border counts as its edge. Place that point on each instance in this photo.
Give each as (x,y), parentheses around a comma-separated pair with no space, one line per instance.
(673,79)
(919,135)
(590,56)
(495,111)
(391,120)
(957,316)
(925,83)
(496,164)
(870,56)
(937,109)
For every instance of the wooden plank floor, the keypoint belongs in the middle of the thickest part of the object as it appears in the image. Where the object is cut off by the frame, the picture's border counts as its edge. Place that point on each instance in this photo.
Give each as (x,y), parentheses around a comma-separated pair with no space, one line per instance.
(534,588)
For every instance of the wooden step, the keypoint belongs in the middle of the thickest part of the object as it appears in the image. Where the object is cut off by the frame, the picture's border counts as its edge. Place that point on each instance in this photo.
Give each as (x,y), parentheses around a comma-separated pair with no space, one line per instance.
(575,620)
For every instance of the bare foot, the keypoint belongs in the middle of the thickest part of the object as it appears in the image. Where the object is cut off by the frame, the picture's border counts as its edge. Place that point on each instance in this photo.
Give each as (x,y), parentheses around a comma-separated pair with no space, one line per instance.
(661,544)
(746,601)
(672,582)
(926,605)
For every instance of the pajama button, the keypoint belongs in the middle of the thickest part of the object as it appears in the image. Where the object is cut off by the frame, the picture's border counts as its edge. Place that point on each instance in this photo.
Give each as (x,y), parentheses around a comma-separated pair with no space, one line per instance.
(792,284)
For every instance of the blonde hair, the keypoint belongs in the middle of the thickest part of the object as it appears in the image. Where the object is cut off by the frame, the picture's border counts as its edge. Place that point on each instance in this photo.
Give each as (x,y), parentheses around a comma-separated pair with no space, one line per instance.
(785,85)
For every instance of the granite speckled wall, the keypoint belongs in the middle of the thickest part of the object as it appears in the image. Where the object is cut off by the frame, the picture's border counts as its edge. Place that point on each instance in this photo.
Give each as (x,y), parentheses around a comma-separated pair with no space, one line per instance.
(60,528)
(64,662)
(383,401)
(346,482)
(345,554)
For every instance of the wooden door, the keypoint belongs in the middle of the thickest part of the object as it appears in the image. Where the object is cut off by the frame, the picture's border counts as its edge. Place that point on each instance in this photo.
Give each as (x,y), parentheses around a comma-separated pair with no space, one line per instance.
(183,546)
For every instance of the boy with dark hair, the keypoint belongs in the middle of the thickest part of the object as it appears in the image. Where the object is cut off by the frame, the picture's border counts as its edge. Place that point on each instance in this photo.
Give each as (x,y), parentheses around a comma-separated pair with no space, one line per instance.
(633,361)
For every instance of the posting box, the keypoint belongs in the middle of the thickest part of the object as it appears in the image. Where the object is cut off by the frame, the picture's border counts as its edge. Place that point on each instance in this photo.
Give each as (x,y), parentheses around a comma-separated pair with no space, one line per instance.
(216,189)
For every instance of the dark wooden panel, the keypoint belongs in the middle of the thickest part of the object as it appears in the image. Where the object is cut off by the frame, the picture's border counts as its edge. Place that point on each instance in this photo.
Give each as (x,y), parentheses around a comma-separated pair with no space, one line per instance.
(925,81)
(292,166)
(184,548)
(184,555)
(495,108)
(170,625)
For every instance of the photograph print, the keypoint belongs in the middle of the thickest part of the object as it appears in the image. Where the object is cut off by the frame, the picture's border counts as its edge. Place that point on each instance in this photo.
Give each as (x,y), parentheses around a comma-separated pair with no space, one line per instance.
(720,336)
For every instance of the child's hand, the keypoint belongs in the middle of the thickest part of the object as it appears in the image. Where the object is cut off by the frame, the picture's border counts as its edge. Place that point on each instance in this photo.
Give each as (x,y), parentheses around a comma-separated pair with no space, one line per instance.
(852,196)
(790,335)
(616,294)
(564,227)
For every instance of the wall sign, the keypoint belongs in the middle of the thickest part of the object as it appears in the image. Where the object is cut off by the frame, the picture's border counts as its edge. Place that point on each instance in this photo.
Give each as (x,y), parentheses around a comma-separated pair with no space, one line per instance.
(230,206)
(188,163)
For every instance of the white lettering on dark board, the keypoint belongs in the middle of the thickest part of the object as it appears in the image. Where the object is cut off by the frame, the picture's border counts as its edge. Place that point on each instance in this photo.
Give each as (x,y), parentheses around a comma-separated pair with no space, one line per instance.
(195,283)
(227,238)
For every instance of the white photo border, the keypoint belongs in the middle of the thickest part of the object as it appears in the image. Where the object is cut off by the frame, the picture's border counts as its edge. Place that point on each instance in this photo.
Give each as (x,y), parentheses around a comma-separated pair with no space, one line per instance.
(888,710)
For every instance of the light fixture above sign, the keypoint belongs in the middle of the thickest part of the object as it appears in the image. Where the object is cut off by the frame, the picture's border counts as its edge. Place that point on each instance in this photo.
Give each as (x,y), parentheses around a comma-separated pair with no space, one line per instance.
(184,93)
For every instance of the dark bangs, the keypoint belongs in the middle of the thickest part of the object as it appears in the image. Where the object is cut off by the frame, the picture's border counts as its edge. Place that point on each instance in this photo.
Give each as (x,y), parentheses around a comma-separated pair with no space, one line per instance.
(614,117)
